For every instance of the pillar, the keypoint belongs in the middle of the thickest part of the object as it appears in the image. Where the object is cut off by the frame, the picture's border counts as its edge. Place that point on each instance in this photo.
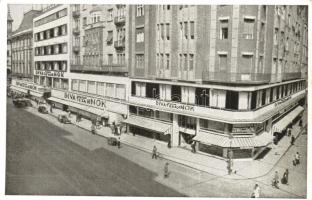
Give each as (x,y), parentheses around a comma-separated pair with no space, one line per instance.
(175,131)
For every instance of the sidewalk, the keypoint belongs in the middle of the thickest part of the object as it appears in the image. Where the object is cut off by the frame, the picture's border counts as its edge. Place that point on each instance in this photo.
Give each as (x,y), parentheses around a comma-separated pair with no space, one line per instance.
(244,169)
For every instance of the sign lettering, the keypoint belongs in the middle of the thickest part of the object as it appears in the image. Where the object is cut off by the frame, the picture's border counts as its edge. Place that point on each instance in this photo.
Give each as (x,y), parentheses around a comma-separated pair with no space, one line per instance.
(50,73)
(25,85)
(175,106)
(90,101)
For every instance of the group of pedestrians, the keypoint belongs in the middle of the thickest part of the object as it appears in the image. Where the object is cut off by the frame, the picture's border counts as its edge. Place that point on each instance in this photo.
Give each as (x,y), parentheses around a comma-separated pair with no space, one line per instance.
(166,167)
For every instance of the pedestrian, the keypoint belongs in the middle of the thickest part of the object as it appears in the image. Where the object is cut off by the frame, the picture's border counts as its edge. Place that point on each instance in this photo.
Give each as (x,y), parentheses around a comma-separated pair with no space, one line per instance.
(193,147)
(154,152)
(93,129)
(292,140)
(166,170)
(275,180)
(300,123)
(51,109)
(289,132)
(69,114)
(118,142)
(297,158)
(256,192)
(169,144)
(284,180)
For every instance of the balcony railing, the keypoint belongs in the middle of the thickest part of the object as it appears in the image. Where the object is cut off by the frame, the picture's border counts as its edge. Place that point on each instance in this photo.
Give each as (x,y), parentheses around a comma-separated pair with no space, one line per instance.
(76,31)
(76,13)
(112,68)
(119,21)
(292,75)
(119,44)
(240,78)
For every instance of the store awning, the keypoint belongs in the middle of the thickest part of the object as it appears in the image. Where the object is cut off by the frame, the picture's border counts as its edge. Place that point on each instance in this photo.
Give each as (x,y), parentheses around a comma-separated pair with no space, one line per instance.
(18,89)
(98,112)
(236,142)
(149,124)
(285,121)
(36,94)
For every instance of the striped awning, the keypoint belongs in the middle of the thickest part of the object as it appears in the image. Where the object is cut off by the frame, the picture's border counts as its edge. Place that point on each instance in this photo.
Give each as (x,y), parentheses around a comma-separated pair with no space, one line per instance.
(150,124)
(236,142)
(285,121)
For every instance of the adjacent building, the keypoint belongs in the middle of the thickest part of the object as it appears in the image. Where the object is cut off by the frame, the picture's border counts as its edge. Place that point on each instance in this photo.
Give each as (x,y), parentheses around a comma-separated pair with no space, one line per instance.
(9,43)
(98,83)
(226,76)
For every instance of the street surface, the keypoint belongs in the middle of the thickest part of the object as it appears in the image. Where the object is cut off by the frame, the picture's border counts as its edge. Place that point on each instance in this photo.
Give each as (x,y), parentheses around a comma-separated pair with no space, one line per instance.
(45,157)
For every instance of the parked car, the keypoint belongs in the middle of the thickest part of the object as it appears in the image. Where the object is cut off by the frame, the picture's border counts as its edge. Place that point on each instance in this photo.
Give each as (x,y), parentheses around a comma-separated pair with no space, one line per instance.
(63,119)
(43,109)
(21,102)
(112,141)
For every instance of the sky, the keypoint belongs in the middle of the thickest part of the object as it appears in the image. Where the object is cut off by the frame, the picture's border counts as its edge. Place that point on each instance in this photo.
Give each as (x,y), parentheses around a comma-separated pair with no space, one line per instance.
(18,10)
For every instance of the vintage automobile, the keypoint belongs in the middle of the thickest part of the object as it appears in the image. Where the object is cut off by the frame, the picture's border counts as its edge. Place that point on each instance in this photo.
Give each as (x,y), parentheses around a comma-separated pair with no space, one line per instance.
(63,119)
(43,109)
(21,102)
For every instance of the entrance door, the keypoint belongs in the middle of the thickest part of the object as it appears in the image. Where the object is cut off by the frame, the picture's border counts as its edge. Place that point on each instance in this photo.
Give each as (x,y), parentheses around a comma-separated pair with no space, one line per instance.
(65,108)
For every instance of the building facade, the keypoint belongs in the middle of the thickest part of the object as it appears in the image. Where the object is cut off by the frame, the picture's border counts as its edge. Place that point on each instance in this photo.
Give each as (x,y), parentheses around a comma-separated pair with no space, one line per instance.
(22,47)
(226,76)
(98,82)
(9,43)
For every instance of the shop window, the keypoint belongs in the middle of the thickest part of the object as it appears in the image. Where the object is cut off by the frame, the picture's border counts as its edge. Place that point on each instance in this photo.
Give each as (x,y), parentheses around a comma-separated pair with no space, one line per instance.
(64,84)
(212,125)
(231,100)
(176,93)
(277,93)
(133,110)
(145,112)
(91,87)
(120,91)
(271,94)
(263,97)
(82,85)
(187,122)
(202,96)
(164,116)
(74,84)
(253,100)
(152,90)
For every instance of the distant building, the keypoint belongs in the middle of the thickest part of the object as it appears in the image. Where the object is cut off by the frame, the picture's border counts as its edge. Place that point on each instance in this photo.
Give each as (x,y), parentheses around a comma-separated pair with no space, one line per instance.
(9,43)
(22,47)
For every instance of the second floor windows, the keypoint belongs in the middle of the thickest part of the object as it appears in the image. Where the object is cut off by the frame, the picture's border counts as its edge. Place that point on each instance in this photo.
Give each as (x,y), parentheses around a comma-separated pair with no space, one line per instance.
(51,33)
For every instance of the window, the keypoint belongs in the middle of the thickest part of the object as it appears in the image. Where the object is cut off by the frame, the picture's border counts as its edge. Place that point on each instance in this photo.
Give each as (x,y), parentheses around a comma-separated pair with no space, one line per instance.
(191,62)
(185,62)
(231,100)
(185,30)
(120,91)
(275,39)
(202,96)
(168,31)
(64,48)
(100,89)
(91,87)
(167,61)
(84,21)
(248,28)
(180,61)
(109,39)
(82,86)
(222,62)
(139,10)
(139,61)
(64,29)
(247,63)
(139,35)
(110,14)
(224,29)
(162,31)
(110,59)
(192,30)
(110,90)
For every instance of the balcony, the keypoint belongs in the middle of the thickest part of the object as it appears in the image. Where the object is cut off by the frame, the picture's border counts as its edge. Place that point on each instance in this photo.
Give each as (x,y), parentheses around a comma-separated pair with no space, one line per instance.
(119,45)
(76,48)
(76,31)
(239,78)
(99,24)
(76,13)
(106,69)
(120,21)
(292,75)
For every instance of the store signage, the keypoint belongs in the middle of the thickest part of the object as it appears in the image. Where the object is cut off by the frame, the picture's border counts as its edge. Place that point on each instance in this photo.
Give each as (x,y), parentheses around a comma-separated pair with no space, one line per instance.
(87,100)
(49,73)
(282,101)
(26,85)
(176,106)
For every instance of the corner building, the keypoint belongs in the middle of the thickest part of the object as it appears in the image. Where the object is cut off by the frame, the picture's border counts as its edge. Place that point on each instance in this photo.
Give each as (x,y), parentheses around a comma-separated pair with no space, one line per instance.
(230,77)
